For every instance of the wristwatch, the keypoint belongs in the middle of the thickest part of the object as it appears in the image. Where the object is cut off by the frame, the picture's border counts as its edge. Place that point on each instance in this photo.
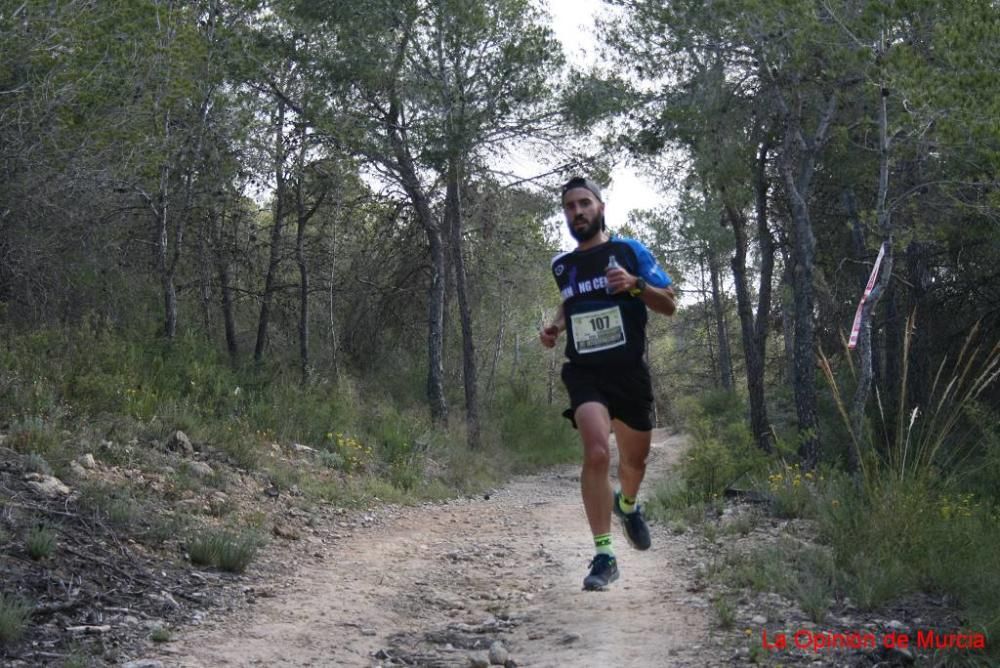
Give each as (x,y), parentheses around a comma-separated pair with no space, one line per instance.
(640,285)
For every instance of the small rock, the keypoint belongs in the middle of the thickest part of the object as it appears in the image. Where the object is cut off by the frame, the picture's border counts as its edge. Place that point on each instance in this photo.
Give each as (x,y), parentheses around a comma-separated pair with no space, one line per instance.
(570,638)
(200,469)
(166,600)
(143,663)
(89,629)
(898,656)
(47,485)
(179,442)
(368,632)
(479,660)
(511,663)
(759,619)
(286,532)
(77,470)
(303,449)
(217,502)
(498,654)
(87,461)
(897,625)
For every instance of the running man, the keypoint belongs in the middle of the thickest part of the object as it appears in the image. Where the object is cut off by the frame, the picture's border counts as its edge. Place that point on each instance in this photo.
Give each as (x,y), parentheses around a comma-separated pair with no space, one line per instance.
(606,284)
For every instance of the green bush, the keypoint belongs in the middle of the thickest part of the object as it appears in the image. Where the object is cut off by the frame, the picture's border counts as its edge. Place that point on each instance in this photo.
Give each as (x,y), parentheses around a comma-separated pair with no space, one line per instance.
(793,491)
(35,463)
(725,612)
(532,433)
(14,615)
(118,505)
(34,436)
(807,574)
(40,542)
(896,536)
(722,452)
(227,550)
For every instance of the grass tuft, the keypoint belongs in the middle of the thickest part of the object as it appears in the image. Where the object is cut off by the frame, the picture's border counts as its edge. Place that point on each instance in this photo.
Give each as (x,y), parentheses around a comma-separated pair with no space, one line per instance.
(725,612)
(14,615)
(36,463)
(40,542)
(226,550)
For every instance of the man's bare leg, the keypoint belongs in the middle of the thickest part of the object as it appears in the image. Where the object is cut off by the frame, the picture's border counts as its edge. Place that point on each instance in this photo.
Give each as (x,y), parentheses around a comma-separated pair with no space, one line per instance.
(594,424)
(633,451)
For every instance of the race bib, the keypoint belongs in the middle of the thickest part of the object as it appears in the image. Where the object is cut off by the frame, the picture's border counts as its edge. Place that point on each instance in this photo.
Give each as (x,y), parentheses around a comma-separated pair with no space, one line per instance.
(598,330)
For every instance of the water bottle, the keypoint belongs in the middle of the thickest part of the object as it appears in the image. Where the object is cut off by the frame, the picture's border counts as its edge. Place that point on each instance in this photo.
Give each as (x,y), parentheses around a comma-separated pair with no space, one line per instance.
(612,264)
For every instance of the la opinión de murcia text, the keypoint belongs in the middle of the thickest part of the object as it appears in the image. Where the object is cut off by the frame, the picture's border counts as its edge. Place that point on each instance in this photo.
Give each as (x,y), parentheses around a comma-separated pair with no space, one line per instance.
(820,641)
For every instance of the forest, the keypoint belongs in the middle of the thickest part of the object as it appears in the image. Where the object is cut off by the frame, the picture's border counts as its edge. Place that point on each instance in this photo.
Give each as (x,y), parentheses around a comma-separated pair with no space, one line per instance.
(309,222)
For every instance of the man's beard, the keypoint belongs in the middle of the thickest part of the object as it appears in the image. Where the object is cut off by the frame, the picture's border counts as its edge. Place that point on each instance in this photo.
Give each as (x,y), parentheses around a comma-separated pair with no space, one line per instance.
(589,231)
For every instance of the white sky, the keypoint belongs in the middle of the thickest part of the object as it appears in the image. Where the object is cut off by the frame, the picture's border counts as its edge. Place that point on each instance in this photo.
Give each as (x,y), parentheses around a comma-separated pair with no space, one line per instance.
(574,25)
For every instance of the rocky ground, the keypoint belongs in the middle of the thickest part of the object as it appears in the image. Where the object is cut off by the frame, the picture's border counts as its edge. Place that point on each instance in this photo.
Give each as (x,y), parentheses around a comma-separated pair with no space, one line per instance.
(468,582)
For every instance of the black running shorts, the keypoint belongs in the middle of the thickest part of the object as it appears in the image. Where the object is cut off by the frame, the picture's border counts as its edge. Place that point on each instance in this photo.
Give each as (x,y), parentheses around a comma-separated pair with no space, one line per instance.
(627,391)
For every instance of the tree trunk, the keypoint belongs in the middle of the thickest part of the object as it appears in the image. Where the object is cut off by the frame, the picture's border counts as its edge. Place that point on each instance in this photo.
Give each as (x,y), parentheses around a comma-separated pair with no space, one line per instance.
(274,258)
(405,168)
(765,243)
(165,267)
(302,218)
(788,314)
(722,332)
(205,275)
(221,257)
(865,338)
(755,332)
(232,345)
(497,347)
(918,373)
(332,303)
(453,210)
(798,184)
(713,364)
(435,329)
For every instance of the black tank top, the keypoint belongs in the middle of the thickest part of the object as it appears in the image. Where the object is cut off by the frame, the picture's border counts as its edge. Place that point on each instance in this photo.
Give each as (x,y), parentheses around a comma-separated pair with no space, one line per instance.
(605,329)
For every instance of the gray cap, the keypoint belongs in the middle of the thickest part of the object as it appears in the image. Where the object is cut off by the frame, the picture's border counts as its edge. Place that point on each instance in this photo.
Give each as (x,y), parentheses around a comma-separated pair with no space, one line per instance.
(581,182)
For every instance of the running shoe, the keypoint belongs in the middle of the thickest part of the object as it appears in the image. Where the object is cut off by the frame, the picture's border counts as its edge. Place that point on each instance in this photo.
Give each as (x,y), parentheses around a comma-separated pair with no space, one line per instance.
(634,525)
(603,571)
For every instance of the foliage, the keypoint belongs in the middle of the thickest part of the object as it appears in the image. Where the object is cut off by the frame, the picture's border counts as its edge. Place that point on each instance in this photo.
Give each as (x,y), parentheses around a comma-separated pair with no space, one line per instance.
(224,549)
(14,615)
(722,452)
(806,574)
(928,440)
(791,491)
(35,463)
(725,612)
(534,433)
(40,542)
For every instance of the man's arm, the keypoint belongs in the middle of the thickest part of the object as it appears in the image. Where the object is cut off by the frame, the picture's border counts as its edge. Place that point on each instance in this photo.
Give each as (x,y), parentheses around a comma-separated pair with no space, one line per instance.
(661,300)
(550,333)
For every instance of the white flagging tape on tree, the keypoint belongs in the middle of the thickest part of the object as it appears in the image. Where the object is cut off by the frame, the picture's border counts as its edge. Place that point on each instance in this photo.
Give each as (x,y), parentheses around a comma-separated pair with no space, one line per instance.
(856,327)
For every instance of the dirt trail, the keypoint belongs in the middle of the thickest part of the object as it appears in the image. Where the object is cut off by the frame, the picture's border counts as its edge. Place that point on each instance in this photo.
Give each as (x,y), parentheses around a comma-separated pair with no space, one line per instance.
(435,585)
